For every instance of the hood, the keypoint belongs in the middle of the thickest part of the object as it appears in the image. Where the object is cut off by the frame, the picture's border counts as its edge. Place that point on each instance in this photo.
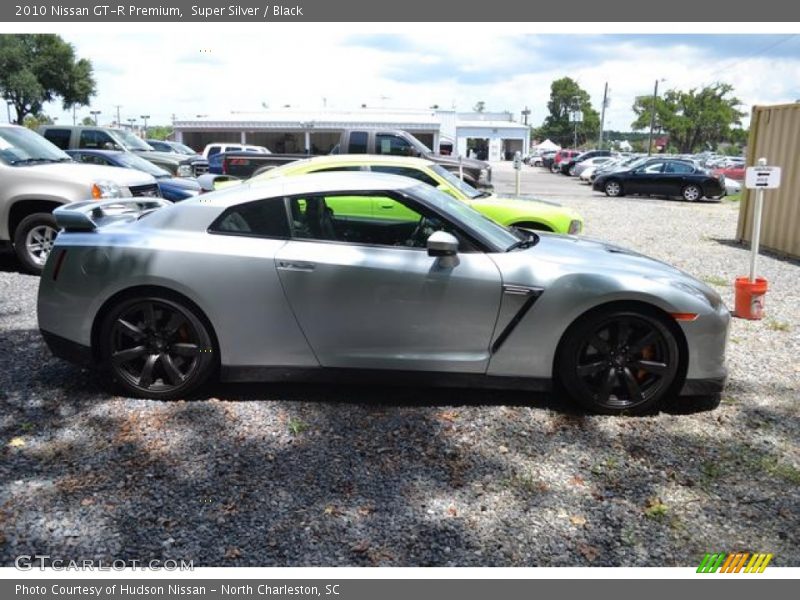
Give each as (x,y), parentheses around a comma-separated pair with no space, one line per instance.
(573,253)
(88,174)
(169,157)
(183,183)
(468,163)
(524,206)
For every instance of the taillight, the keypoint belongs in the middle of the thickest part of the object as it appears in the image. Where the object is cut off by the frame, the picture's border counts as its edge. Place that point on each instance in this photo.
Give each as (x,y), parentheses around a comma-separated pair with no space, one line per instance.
(59,261)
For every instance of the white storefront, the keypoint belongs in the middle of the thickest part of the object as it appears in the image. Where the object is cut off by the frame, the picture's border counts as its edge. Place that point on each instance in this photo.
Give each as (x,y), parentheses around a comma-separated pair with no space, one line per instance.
(494,135)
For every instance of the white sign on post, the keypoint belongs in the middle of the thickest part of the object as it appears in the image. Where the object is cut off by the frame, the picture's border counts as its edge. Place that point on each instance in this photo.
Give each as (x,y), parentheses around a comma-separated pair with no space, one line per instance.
(762,178)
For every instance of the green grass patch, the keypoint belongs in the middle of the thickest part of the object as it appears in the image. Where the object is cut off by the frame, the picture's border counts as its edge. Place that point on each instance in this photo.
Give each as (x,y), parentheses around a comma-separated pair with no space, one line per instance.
(296,426)
(776,325)
(716,280)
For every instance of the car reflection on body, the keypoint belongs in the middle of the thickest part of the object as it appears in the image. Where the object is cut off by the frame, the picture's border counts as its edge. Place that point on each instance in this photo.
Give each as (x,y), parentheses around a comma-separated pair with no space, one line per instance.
(264,281)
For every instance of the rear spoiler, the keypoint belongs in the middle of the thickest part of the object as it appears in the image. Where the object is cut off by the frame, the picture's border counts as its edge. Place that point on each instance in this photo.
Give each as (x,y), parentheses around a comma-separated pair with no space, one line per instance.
(88,215)
(209,180)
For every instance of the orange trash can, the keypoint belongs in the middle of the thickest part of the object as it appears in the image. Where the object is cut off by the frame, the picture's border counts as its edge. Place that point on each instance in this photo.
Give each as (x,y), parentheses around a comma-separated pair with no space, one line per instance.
(750,298)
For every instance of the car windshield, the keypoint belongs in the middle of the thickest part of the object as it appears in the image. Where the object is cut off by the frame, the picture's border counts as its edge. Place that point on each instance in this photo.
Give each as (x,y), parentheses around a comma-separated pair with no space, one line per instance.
(21,146)
(453,180)
(497,235)
(183,148)
(131,141)
(132,161)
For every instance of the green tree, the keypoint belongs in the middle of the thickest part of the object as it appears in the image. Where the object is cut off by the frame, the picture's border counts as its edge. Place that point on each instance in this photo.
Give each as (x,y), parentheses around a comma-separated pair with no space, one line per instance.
(88,121)
(159,132)
(480,106)
(40,68)
(566,97)
(37,120)
(695,120)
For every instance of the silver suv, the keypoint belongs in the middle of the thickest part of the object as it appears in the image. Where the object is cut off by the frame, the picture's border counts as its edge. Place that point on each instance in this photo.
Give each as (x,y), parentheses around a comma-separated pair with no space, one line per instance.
(36,177)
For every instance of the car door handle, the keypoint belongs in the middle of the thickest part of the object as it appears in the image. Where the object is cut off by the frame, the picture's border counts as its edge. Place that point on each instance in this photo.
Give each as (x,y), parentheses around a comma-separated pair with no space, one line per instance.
(306,267)
(386,206)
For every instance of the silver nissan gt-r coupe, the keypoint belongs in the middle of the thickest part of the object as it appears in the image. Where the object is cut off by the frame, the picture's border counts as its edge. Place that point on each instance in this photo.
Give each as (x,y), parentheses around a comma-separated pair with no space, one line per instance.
(308,278)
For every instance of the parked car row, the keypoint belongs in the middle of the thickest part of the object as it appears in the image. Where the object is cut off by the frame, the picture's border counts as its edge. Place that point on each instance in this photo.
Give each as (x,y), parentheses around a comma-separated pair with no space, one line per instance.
(659,175)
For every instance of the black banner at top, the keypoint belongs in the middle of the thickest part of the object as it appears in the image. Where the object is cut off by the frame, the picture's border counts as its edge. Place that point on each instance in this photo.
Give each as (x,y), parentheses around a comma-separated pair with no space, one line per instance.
(254,11)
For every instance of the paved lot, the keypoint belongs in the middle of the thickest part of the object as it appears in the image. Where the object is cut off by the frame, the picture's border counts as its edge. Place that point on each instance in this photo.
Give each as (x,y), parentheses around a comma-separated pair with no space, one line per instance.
(348,475)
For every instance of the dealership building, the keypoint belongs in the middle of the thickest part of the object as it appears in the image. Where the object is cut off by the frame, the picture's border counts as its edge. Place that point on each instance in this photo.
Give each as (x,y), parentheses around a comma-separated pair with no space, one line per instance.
(490,136)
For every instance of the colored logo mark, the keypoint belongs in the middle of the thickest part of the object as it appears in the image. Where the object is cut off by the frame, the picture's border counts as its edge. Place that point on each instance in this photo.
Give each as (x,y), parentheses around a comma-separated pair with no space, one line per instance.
(734,563)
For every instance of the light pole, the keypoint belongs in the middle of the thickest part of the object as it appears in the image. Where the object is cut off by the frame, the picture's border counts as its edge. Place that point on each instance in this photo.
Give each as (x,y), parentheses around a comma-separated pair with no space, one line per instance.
(94,113)
(119,121)
(144,118)
(653,118)
(131,121)
(8,109)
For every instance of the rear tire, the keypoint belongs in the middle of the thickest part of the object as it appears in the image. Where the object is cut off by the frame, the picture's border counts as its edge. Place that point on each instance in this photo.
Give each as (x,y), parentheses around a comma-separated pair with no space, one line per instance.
(33,239)
(692,193)
(156,347)
(620,361)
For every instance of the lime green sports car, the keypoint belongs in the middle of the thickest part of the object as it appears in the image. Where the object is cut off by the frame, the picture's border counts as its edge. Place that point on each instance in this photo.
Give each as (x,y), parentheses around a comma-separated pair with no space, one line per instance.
(526,214)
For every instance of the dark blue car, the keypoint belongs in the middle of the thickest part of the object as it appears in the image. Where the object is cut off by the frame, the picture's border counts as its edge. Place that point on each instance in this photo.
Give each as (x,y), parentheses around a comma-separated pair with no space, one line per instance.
(172,188)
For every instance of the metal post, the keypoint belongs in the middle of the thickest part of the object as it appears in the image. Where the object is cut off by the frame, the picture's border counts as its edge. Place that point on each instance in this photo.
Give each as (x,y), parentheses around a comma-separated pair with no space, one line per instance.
(652,121)
(460,168)
(516,187)
(603,117)
(762,162)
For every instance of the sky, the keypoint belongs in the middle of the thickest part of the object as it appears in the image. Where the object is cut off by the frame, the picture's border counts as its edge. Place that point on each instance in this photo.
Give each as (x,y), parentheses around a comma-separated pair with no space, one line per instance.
(161,73)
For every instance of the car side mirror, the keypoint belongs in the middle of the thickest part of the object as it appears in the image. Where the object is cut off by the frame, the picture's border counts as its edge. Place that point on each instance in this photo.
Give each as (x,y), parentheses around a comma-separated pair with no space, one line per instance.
(442,244)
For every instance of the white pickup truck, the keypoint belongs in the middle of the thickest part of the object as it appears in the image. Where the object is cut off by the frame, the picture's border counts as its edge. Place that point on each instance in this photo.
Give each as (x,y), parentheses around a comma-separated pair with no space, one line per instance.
(36,177)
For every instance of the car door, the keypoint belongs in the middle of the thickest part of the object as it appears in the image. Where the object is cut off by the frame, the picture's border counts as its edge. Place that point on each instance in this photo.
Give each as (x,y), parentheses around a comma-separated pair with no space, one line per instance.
(645,179)
(676,176)
(367,295)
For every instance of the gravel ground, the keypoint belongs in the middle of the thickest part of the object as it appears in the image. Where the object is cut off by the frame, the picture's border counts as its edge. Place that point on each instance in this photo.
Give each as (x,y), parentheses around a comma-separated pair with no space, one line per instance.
(302,475)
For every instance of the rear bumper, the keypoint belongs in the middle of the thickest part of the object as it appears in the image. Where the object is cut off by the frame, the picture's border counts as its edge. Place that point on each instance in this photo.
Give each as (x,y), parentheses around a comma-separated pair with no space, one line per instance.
(68,350)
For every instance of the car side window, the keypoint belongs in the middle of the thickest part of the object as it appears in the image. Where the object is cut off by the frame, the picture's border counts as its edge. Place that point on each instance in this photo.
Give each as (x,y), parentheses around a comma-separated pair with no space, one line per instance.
(677,167)
(262,218)
(95,139)
(653,168)
(337,169)
(387,143)
(59,137)
(417,174)
(356,218)
(358,142)
(213,150)
(93,160)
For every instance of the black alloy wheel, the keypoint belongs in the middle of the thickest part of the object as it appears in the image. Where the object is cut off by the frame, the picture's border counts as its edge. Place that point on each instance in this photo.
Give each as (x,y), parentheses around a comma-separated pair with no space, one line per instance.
(620,362)
(157,348)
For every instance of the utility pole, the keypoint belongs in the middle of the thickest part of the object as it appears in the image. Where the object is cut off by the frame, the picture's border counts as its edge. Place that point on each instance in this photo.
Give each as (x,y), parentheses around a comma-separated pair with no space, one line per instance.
(8,109)
(525,114)
(603,116)
(74,114)
(652,120)
(119,121)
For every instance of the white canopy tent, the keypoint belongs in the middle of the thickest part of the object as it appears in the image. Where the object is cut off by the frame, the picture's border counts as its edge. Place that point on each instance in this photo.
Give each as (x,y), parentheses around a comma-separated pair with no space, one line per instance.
(546,145)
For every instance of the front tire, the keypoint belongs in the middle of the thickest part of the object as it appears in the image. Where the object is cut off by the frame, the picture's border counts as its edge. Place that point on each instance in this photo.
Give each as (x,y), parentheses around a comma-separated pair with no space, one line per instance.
(613,188)
(156,347)
(33,239)
(619,361)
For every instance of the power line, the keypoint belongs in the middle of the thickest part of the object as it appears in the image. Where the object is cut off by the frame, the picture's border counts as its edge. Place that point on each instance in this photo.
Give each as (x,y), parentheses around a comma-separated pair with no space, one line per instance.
(752,55)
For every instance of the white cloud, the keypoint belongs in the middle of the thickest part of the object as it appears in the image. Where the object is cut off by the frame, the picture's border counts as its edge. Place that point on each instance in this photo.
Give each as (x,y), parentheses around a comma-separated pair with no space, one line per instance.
(189,71)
